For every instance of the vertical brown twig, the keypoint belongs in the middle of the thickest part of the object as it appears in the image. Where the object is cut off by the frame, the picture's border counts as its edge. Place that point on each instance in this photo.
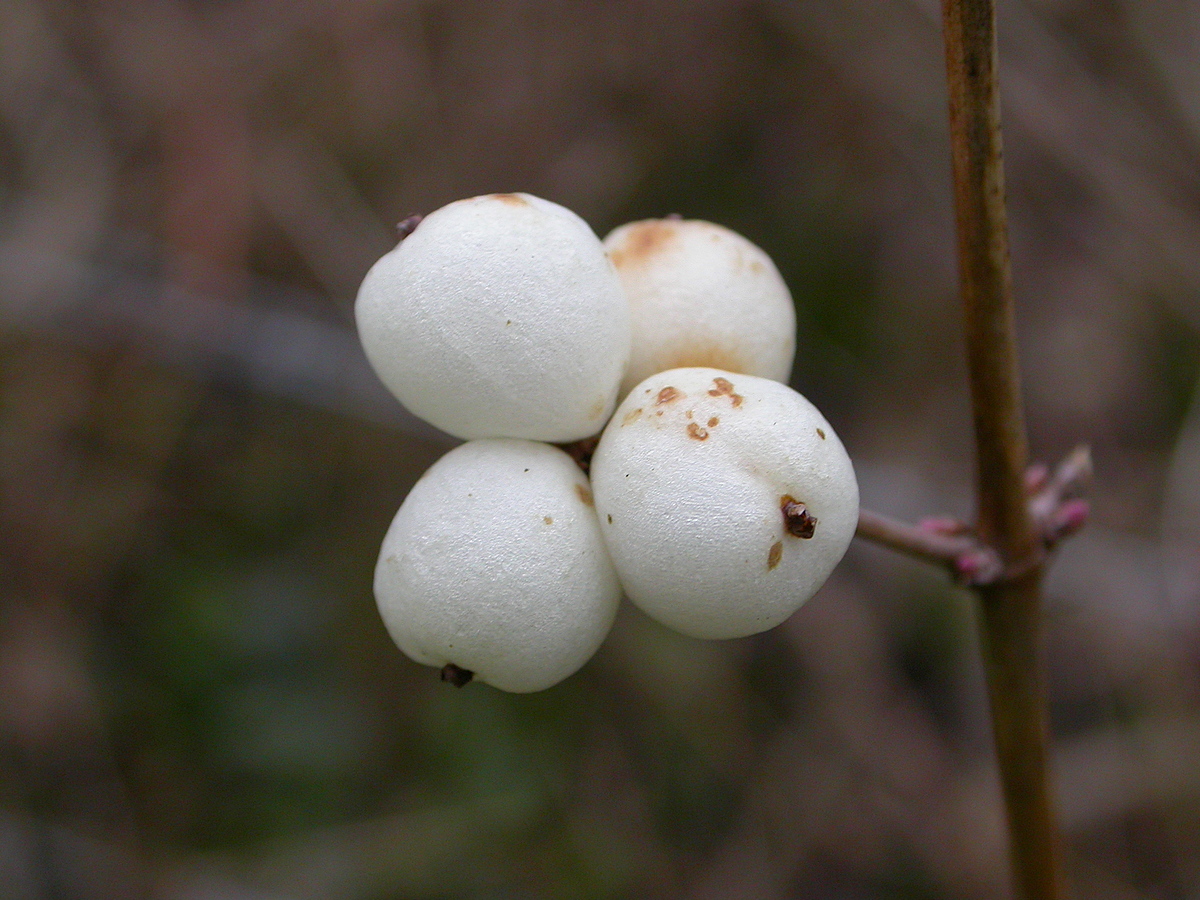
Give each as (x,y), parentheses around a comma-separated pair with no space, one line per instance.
(1010,610)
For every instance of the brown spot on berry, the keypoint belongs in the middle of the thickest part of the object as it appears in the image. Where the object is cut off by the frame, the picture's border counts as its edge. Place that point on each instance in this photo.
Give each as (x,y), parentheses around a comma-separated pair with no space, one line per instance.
(796,520)
(632,416)
(696,433)
(689,413)
(667,394)
(775,554)
(547,520)
(584,494)
(610,518)
(714,422)
(642,242)
(455,675)
(821,433)
(510,199)
(723,387)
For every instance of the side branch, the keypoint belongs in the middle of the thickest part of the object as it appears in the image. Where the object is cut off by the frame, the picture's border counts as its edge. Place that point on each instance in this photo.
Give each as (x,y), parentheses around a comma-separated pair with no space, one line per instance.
(944,542)
(1056,508)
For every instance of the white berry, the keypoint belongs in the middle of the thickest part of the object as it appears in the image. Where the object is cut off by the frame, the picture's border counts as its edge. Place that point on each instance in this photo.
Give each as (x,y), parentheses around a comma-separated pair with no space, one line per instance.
(499,316)
(495,565)
(707,483)
(702,295)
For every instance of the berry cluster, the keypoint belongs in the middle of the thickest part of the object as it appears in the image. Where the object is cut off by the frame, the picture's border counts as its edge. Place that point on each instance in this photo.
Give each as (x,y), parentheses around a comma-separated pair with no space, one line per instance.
(719,499)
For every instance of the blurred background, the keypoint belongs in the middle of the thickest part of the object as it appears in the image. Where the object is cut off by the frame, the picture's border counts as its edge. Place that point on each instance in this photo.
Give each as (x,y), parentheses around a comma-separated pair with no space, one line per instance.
(197,699)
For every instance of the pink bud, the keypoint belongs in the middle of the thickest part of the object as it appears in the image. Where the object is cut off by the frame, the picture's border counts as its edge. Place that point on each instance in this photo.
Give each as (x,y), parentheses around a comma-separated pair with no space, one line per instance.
(977,567)
(1036,477)
(1068,519)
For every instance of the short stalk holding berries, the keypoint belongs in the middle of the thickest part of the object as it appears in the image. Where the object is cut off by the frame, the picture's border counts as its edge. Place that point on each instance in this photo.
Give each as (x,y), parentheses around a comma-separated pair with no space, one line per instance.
(726,500)
(495,567)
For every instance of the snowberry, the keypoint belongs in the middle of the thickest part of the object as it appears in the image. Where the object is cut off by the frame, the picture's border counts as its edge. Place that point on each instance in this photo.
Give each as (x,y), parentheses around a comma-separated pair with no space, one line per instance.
(726,500)
(499,316)
(495,566)
(702,295)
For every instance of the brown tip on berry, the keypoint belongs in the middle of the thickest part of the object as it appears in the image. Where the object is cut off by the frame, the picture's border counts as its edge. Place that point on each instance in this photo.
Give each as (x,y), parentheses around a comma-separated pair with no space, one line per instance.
(456,676)
(407,226)
(796,520)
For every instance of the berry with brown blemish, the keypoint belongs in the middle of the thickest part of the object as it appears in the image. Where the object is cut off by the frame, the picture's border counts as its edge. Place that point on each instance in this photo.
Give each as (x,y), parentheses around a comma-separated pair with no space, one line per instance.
(701,295)
(716,535)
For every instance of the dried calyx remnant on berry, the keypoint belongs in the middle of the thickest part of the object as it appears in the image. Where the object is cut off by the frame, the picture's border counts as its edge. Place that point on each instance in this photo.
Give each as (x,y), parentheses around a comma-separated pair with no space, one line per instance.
(702,295)
(499,316)
(494,568)
(726,500)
